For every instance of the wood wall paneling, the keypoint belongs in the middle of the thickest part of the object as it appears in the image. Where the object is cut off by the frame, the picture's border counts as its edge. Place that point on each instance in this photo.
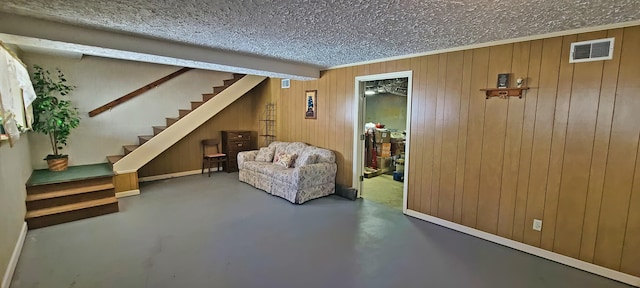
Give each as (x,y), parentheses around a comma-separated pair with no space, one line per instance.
(417,114)
(622,157)
(580,134)
(541,149)
(526,148)
(512,144)
(451,107)
(600,149)
(566,153)
(439,128)
(462,135)
(558,137)
(428,136)
(475,136)
(500,59)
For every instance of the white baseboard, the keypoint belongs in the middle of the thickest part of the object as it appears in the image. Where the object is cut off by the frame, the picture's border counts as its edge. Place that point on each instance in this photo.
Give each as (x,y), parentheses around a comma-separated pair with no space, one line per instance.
(579,264)
(13,262)
(173,175)
(128,193)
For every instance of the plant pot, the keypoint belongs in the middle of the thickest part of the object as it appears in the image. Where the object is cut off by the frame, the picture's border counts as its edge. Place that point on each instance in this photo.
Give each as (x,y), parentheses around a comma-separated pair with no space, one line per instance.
(58,164)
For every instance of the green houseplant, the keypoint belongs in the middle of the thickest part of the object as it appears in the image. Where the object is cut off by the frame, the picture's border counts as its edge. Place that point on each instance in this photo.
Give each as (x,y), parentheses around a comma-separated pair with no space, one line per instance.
(53,115)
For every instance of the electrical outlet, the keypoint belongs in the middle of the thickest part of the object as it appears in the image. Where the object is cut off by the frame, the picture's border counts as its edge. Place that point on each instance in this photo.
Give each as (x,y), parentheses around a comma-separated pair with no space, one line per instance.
(537,225)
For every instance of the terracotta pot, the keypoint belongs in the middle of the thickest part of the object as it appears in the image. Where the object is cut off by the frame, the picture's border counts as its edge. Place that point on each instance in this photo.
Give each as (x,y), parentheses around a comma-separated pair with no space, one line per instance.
(58,164)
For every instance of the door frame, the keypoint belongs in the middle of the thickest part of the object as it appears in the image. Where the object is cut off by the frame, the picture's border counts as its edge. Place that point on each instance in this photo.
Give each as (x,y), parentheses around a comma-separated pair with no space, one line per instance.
(358,129)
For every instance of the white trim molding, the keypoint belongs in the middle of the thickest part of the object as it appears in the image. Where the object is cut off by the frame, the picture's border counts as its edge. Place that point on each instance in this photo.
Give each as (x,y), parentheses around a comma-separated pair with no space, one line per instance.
(13,262)
(173,175)
(128,193)
(562,259)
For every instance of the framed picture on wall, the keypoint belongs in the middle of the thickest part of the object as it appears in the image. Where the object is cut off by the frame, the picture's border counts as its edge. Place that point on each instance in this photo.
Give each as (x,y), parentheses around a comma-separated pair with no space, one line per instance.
(311,105)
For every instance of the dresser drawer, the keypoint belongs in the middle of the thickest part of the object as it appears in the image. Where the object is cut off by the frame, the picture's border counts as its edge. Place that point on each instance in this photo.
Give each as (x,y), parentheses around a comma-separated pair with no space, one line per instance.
(236,146)
(238,136)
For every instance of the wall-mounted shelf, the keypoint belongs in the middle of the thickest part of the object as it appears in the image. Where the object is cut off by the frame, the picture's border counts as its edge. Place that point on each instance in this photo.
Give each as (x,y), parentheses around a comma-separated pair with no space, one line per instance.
(504,92)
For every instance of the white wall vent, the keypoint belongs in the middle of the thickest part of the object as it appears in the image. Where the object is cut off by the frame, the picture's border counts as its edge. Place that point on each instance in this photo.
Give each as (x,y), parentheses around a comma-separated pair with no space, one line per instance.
(594,50)
(285,83)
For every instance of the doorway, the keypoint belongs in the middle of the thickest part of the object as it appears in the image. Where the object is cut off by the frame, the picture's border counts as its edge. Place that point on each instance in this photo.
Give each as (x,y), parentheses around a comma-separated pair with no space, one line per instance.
(382,138)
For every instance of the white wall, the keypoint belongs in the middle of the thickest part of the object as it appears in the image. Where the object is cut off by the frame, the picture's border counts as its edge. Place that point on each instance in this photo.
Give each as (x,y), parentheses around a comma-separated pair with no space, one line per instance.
(101,80)
(15,169)
(388,109)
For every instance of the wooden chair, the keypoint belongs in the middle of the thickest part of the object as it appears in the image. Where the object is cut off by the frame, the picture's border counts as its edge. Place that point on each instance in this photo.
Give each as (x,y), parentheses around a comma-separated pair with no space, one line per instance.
(211,154)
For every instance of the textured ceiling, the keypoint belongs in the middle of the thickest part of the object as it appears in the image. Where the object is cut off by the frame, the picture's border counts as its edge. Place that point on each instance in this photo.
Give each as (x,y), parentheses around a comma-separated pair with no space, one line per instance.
(332,32)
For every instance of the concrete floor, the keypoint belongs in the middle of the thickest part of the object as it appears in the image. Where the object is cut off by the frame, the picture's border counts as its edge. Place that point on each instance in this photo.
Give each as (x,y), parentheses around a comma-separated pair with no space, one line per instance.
(383,190)
(217,232)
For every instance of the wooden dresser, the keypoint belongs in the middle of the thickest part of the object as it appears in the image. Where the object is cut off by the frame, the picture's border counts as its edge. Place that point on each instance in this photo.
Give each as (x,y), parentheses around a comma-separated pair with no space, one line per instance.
(234,141)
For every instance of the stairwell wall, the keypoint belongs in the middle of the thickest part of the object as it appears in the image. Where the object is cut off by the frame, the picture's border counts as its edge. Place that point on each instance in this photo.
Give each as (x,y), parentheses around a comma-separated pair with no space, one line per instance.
(15,169)
(99,81)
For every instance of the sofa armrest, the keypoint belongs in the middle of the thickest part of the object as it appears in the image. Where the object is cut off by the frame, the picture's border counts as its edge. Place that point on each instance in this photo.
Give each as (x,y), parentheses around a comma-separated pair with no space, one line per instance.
(246,156)
(316,174)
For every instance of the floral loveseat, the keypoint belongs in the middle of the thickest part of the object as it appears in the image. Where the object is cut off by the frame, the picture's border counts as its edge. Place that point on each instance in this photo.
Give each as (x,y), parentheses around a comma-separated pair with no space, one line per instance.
(312,175)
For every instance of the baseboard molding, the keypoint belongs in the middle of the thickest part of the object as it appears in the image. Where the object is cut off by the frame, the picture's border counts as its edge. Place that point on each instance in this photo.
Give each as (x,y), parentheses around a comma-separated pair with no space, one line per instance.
(579,264)
(13,262)
(173,175)
(128,193)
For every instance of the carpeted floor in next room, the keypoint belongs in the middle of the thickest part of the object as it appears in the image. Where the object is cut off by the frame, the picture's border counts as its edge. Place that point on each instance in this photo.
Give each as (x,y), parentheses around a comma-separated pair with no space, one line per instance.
(217,232)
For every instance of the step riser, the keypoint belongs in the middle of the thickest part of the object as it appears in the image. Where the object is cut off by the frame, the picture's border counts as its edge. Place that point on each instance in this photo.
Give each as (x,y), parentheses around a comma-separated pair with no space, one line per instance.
(230,82)
(157,131)
(195,105)
(68,185)
(127,151)
(171,121)
(142,140)
(207,97)
(183,113)
(65,217)
(219,89)
(48,203)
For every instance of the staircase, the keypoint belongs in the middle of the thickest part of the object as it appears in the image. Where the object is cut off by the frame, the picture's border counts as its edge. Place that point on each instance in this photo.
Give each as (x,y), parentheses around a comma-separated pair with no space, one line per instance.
(170,121)
(149,146)
(65,200)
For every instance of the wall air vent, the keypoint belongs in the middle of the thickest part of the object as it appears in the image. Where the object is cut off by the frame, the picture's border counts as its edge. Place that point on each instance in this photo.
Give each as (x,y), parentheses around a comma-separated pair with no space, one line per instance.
(594,50)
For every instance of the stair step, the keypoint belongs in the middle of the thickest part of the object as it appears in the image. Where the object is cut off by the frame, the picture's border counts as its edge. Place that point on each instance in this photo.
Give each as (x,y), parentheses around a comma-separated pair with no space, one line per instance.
(196,104)
(143,139)
(114,158)
(158,129)
(207,96)
(170,121)
(219,89)
(68,185)
(129,148)
(67,192)
(69,196)
(230,82)
(238,76)
(183,112)
(70,212)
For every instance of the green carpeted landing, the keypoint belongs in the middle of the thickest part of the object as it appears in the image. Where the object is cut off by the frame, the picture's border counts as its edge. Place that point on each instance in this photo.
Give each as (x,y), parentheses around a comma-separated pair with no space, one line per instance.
(73,173)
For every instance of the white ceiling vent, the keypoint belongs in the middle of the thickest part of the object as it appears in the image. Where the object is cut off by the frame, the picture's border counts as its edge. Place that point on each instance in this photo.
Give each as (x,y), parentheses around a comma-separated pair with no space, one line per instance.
(594,50)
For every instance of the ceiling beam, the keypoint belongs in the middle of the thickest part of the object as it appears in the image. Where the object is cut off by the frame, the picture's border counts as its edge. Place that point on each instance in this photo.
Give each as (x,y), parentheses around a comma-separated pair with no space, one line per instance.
(22,30)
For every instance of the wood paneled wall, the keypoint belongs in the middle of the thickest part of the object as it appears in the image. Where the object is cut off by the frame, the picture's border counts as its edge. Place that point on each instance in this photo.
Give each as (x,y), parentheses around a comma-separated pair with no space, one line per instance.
(186,154)
(566,153)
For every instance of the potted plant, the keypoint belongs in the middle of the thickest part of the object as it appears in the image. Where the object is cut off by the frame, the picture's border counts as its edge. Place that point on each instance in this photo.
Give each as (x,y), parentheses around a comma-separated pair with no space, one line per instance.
(52,115)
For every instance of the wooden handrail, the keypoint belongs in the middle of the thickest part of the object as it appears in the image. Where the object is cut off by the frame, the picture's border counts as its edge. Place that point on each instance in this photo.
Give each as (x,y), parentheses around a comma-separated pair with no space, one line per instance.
(133,94)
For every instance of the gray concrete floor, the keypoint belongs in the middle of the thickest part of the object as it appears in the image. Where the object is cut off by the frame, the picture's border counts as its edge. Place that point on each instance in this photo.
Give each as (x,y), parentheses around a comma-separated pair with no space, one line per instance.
(217,232)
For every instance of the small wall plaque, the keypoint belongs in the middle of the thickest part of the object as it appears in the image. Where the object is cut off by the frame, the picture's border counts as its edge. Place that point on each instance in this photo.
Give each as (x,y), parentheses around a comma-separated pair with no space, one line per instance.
(285,83)
(503,80)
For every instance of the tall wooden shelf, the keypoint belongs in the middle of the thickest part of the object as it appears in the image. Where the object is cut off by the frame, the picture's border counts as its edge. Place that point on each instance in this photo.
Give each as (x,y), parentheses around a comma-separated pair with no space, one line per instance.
(268,124)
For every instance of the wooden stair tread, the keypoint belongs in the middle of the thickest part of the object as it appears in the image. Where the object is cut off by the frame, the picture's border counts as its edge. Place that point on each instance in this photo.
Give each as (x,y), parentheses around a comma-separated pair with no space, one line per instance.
(70,207)
(160,127)
(144,138)
(67,192)
(114,158)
